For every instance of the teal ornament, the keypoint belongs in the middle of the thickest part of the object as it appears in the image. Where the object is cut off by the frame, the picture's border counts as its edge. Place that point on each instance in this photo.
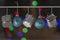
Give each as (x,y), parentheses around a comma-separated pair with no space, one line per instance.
(17,21)
(39,23)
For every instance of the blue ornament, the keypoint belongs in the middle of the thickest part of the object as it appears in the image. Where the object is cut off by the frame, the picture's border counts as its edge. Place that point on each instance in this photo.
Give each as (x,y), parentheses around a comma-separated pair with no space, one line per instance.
(19,34)
(45,21)
(17,21)
(9,39)
(22,17)
(39,23)
(58,22)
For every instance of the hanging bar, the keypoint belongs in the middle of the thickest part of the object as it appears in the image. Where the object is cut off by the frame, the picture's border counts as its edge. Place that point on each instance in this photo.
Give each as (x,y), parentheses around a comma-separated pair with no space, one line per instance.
(30,6)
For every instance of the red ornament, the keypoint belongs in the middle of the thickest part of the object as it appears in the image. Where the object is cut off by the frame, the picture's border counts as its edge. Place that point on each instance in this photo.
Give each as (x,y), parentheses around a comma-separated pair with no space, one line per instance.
(42,15)
(20,28)
(16,13)
(7,30)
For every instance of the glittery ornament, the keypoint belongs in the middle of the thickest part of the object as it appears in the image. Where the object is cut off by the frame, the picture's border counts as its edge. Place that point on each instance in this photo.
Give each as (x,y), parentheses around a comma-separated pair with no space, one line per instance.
(17,21)
(6,21)
(39,23)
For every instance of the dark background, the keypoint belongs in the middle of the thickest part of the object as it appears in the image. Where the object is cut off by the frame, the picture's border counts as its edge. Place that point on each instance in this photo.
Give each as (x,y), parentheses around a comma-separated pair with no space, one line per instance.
(28,2)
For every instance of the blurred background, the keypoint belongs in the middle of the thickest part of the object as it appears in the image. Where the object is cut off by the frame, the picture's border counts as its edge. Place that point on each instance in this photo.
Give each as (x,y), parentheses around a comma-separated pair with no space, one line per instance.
(29,2)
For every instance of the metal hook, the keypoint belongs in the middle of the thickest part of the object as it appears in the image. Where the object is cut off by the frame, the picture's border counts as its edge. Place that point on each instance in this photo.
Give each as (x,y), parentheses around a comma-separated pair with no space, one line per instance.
(28,10)
(39,13)
(27,13)
(17,7)
(51,10)
(6,10)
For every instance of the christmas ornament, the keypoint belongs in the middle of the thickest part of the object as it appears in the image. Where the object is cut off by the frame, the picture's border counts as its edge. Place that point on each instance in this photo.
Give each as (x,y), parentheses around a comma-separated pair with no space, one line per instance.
(17,20)
(16,13)
(29,20)
(24,30)
(35,3)
(6,21)
(39,22)
(19,34)
(11,28)
(58,22)
(23,38)
(20,28)
(51,20)
(9,39)
(7,30)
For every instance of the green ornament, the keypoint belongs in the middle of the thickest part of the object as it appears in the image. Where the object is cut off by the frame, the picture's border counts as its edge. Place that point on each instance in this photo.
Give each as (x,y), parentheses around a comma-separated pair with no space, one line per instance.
(34,3)
(11,28)
(25,30)
(23,38)
(11,15)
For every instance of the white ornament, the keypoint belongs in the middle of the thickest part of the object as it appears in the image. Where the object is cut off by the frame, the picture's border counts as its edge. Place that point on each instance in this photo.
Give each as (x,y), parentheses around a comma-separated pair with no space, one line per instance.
(51,20)
(6,21)
(29,20)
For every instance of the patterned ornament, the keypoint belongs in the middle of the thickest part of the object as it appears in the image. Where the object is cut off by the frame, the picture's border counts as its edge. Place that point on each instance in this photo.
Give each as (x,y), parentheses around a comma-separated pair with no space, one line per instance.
(29,20)
(17,21)
(39,23)
(51,20)
(6,21)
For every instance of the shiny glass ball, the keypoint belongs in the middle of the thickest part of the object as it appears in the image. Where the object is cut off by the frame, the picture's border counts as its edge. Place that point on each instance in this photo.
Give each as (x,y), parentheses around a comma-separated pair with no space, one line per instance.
(39,23)
(17,21)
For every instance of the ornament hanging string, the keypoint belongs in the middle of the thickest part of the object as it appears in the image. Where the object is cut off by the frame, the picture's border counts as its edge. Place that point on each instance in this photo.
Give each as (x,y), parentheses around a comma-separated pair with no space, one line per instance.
(27,13)
(7,11)
(51,10)
(39,13)
(17,8)
(28,10)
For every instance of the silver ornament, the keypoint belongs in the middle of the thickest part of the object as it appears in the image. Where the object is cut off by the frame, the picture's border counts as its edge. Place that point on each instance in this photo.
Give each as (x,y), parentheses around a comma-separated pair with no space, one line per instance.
(6,21)
(51,20)
(29,20)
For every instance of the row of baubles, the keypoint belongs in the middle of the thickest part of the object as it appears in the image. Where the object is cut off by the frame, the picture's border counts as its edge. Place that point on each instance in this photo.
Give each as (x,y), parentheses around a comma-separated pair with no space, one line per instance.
(29,21)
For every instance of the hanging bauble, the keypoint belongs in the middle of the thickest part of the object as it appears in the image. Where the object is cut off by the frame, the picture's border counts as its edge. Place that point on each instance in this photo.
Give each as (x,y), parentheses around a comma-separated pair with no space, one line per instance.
(25,30)
(58,22)
(29,20)
(6,21)
(9,38)
(16,12)
(19,34)
(23,38)
(45,21)
(51,20)
(11,28)
(35,3)
(7,30)
(39,23)
(17,21)
(42,16)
